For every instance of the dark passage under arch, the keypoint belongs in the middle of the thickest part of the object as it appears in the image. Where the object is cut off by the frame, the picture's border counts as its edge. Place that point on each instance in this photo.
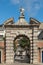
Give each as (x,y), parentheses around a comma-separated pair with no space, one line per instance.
(22,49)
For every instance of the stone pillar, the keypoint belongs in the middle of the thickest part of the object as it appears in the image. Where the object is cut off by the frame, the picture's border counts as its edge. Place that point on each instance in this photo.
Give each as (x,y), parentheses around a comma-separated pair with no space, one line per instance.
(35,49)
(31,48)
(9,48)
(30,37)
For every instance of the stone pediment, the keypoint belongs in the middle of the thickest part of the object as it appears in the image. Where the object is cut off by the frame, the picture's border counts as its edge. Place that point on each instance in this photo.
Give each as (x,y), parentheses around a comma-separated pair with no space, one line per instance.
(21,21)
(9,21)
(41,26)
(34,21)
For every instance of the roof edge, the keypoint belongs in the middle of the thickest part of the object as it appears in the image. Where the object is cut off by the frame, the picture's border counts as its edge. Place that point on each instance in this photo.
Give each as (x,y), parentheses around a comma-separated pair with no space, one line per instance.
(33,20)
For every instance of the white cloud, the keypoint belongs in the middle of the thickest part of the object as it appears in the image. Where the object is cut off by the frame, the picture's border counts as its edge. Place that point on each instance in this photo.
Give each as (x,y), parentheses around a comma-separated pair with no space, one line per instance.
(31,6)
(37,6)
(15,1)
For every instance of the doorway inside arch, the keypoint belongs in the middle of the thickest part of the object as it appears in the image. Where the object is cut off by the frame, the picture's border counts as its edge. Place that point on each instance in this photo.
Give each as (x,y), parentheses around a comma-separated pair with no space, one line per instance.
(22,49)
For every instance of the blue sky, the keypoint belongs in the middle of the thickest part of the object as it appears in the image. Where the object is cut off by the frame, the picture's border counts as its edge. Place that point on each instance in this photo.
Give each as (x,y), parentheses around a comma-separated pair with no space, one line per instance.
(10,8)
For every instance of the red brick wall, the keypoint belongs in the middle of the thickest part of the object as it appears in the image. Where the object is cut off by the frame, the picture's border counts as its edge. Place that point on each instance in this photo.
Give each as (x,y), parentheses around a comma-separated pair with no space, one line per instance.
(40,45)
(2,44)
(2,47)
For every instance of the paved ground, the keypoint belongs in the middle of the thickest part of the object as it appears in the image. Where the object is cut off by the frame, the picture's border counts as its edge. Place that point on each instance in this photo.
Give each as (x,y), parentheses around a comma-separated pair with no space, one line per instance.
(17,63)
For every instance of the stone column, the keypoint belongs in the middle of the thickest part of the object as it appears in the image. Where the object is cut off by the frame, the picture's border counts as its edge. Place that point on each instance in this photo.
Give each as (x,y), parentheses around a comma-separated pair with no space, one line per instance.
(9,48)
(35,49)
(31,48)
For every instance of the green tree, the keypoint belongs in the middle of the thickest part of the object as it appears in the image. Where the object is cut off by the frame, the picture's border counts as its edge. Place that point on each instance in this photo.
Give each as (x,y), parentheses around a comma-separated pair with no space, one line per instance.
(24,42)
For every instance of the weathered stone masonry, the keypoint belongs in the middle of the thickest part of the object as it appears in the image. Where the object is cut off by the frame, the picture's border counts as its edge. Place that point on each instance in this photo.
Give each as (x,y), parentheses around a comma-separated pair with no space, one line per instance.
(11,30)
(11,33)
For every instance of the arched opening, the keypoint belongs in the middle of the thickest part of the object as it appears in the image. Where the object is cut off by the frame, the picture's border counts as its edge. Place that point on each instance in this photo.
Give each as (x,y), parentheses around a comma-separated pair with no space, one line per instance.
(22,49)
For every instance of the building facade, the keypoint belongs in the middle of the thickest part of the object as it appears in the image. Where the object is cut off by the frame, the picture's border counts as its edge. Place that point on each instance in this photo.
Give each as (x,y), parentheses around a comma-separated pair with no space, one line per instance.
(10,31)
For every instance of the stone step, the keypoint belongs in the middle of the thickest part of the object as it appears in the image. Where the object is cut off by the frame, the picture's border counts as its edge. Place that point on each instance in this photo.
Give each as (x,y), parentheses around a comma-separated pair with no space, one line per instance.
(17,63)
(9,60)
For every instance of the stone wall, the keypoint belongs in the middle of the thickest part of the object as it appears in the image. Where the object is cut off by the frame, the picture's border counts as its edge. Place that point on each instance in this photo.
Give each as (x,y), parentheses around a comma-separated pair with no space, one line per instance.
(35,48)
(11,33)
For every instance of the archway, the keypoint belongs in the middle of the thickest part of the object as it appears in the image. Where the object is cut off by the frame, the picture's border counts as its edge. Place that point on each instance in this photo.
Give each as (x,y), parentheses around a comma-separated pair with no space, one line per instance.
(22,49)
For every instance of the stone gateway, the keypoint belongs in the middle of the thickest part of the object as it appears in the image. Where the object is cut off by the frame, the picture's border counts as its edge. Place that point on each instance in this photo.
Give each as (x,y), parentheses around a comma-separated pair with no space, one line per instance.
(11,33)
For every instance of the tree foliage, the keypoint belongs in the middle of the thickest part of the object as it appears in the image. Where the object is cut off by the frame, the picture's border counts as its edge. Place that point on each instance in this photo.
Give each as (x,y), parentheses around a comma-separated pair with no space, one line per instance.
(23,42)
